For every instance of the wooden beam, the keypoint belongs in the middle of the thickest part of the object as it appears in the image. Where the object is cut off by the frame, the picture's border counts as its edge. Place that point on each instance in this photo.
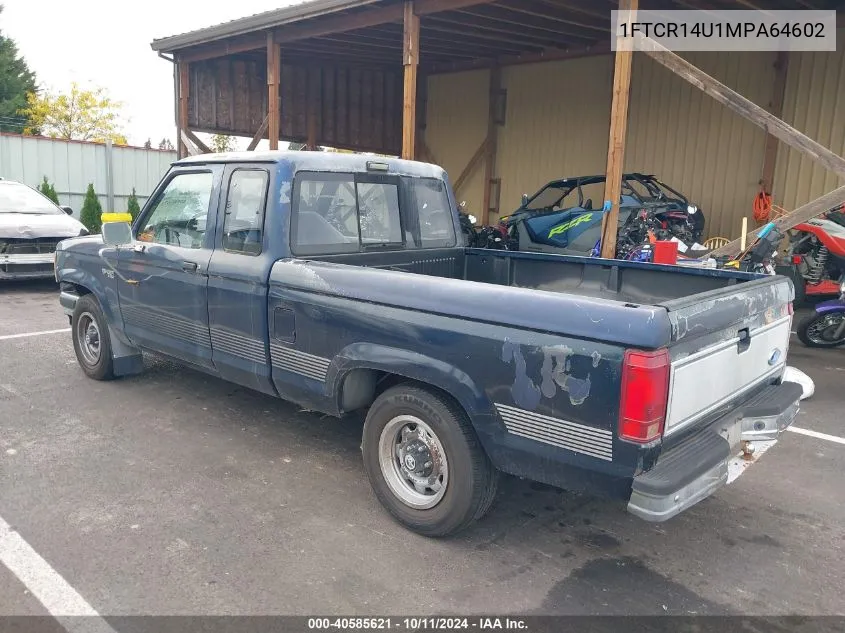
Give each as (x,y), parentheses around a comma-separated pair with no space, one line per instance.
(770,154)
(803,213)
(470,166)
(203,148)
(183,149)
(223,48)
(185,141)
(616,143)
(410,60)
(274,54)
(549,55)
(262,129)
(341,23)
(742,106)
(495,93)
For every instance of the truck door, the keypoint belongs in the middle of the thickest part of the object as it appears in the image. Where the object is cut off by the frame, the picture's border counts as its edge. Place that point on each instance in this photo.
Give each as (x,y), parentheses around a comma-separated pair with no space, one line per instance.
(164,287)
(238,280)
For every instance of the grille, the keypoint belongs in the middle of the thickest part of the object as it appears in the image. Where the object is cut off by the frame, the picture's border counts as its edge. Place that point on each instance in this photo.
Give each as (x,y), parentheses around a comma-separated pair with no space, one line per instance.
(19,246)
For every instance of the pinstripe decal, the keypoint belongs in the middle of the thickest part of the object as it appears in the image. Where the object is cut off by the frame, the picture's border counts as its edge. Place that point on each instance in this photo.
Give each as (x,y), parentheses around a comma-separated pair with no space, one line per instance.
(167,324)
(289,359)
(572,436)
(225,340)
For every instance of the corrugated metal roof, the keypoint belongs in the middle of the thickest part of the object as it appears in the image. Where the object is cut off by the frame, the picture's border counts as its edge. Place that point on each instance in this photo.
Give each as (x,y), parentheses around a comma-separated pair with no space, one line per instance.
(256,22)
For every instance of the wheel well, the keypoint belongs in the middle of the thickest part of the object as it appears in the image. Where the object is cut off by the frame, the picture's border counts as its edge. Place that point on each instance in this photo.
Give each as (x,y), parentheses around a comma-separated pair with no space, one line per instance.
(361,387)
(77,288)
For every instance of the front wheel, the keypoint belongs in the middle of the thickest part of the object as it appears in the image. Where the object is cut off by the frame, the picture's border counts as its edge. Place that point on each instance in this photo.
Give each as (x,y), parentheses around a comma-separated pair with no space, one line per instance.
(823,330)
(425,463)
(91,340)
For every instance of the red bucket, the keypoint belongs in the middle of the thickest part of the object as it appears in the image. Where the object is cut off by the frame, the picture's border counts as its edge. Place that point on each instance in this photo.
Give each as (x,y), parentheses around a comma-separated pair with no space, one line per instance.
(665,252)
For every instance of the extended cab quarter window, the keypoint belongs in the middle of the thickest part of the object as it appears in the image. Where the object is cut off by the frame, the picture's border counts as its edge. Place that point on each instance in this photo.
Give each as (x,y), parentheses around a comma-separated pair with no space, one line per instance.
(180,213)
(325,218)
(244,220)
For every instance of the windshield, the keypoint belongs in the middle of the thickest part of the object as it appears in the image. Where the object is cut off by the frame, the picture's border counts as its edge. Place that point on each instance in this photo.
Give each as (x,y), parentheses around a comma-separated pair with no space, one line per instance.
(18,198)
(548,197)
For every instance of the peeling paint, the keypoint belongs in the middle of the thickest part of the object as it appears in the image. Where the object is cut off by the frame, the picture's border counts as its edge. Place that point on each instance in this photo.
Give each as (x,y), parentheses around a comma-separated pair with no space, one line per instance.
(555,373)
(284,192)
(525,393)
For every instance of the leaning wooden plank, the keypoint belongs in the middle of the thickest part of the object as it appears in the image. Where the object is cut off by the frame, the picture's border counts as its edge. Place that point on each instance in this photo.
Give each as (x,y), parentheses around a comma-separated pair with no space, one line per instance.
(186,142)
(801,214)
(262,129)
(473,162)
(739,104)
(195,139)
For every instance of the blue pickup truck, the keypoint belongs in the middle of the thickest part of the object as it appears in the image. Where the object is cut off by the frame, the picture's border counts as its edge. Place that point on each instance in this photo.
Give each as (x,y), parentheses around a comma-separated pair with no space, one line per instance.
(341,282)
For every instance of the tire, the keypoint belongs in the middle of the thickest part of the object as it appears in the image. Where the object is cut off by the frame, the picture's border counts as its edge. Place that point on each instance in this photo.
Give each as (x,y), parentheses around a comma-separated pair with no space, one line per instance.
(87,324)
(457,498)
(806,336)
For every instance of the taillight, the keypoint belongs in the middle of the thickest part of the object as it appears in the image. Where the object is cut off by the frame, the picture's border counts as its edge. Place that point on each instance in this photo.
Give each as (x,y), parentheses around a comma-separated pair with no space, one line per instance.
(645,394)
(797,259)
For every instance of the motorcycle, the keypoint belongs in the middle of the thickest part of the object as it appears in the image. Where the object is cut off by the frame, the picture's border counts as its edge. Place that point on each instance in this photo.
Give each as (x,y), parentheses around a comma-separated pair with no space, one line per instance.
(826,326)
(817,251)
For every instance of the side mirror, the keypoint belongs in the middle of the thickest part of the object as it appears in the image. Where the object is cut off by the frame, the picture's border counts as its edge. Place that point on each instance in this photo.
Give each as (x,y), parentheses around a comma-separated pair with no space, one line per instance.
(524,199)
(117,233)
(67,210)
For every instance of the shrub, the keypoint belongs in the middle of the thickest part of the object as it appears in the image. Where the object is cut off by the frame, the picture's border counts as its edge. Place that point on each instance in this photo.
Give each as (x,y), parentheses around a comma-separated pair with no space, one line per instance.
(91,211)
(48,190)
(132,205)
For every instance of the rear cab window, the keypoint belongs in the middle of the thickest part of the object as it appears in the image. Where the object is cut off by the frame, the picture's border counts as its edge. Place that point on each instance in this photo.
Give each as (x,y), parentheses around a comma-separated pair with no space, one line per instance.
(336,213)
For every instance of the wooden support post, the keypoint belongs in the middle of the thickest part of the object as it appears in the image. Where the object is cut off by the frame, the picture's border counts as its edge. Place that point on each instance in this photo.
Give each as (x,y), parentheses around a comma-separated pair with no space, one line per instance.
(262,129)
(273,73)
(742,106)
(770,155)
(492,139)
(185,142)
(182,148)
(616,144)
(410,60)
(314,80)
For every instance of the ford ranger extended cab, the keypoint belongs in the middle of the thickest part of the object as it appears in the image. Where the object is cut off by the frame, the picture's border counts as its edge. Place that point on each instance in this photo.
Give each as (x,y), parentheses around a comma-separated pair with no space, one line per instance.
(340,282)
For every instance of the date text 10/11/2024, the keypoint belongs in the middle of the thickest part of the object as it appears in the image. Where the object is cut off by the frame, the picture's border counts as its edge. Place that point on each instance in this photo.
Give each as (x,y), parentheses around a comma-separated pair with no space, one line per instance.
(417,624)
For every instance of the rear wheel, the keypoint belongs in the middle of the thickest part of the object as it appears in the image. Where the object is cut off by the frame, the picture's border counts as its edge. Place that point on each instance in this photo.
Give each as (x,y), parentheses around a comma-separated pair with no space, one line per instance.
(823,330)
(425,463)
(91,340)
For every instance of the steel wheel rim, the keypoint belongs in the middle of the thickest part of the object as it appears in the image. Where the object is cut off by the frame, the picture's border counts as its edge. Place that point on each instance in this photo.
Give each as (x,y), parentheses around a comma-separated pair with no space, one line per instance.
(89,338)
(823,330)
(413,462)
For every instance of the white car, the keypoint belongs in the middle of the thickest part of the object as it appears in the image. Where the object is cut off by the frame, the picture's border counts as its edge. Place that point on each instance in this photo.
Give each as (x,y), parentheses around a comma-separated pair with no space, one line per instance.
(30,227)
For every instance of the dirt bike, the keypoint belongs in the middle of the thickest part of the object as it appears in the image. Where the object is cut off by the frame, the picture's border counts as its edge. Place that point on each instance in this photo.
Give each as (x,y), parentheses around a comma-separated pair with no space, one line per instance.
(826,326)
(817,250)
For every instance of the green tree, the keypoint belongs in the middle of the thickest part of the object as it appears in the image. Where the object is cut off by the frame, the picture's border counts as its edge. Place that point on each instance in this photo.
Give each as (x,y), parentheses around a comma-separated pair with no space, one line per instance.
(82,115)
(48,190)
(221,143)
(92,211)
(16,81)
(165,144)
(132,205)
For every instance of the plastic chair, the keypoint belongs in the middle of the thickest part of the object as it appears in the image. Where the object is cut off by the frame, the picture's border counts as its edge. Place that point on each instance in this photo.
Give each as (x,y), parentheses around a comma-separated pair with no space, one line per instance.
(716,242)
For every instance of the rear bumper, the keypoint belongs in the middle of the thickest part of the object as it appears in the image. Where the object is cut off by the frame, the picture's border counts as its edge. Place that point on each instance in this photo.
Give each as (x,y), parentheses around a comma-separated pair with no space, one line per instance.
(701,464)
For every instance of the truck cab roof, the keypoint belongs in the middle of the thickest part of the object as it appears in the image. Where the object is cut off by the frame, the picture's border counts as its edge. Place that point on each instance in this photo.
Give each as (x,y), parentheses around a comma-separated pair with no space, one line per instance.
(323,161)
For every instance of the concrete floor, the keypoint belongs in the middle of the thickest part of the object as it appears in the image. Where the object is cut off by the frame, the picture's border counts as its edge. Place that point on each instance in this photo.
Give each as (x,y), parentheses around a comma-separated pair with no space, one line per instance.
(176,493)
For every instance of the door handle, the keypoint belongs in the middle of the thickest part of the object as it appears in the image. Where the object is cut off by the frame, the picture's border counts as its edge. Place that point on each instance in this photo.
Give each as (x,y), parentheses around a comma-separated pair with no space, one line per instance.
(189,267)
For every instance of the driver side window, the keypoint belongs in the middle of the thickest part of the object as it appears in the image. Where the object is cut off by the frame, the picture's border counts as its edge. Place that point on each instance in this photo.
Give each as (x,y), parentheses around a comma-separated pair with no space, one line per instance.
(179,216)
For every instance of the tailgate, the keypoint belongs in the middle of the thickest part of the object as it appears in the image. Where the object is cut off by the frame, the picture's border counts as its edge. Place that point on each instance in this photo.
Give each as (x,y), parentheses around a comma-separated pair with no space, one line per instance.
(726,344)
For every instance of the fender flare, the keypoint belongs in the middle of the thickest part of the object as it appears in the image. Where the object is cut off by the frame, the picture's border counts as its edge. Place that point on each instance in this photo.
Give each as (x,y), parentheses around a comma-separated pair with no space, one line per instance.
(420,368)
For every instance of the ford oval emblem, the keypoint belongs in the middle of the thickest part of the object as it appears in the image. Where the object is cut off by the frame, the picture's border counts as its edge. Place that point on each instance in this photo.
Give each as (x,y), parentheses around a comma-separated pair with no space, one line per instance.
(775,357)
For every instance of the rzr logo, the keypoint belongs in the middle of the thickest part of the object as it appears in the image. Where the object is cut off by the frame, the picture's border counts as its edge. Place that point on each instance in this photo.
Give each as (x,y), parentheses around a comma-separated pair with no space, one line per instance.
(562,228)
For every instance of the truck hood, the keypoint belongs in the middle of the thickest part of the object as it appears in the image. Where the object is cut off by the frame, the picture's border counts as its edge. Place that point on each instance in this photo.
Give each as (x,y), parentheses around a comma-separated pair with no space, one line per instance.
(35,225)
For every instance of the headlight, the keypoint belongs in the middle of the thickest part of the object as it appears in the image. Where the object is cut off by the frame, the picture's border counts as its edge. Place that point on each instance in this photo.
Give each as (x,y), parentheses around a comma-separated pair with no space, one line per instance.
(691,208)
(473,219)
